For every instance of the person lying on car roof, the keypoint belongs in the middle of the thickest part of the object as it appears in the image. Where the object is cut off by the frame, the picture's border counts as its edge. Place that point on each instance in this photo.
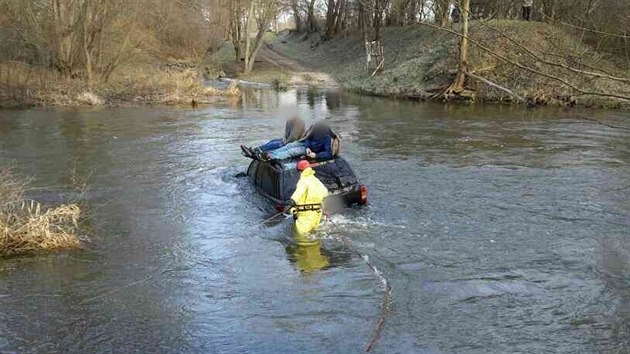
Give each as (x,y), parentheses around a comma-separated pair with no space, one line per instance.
(294,130)
(318,145)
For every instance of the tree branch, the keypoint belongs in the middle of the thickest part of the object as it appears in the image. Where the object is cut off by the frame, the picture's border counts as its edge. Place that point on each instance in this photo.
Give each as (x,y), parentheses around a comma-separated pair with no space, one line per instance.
(497,86)
(544,61)
(533,71)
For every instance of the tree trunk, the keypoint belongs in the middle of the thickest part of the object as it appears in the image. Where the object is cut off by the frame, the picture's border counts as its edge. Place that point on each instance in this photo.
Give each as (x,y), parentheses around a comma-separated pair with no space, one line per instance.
(258,41)
(361,21)
(87,36)
(341,16)
(88,64)
(248,24)
(378,19)
(62,41)
(458,84)
(113,64)
(236,29)
(297,18)
(312,24)
(330,19)
(442,13)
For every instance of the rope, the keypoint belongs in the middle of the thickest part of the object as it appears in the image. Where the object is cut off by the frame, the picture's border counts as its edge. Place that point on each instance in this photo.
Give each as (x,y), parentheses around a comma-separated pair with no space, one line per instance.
(299,207)
(387,291)
(269,219)
(157,272)
(105,296)
(595,121)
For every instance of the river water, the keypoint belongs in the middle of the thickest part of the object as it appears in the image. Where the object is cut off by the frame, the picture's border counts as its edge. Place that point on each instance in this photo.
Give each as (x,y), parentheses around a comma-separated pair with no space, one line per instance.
(501,230)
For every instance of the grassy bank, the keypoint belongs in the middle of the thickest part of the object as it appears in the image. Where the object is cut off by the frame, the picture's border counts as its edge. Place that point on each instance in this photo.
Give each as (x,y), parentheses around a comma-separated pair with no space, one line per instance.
(22,85)
(420,60)
(222,64)
(28,227)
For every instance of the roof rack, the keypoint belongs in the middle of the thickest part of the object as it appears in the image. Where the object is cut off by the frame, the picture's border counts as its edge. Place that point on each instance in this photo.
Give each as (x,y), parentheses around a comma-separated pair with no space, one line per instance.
(290,163)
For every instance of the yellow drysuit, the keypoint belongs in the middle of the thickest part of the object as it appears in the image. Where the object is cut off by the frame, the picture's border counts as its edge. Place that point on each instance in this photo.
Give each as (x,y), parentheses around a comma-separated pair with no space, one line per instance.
(309,191)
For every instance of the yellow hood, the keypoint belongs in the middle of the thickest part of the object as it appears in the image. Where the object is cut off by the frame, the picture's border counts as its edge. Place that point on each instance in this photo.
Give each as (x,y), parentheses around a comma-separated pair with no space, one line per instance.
(307,172)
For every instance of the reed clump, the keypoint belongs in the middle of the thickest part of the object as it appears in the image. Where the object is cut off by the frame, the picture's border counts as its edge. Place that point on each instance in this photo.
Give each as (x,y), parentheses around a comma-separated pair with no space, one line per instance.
(233,90)
(27,226)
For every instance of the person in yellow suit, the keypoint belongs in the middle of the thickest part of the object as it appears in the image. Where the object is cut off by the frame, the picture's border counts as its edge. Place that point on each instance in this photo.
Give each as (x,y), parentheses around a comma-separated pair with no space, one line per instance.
(306,204)
(306,201)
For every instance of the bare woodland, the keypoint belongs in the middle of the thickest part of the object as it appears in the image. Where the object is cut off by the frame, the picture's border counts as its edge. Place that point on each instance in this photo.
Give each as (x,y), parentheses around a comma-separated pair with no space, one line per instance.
(602,25)
(98,42)
(92,38)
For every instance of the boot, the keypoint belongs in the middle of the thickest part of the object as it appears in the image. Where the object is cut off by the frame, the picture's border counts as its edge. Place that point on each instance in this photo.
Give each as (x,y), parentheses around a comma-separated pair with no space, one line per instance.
(245,151)
(253,151)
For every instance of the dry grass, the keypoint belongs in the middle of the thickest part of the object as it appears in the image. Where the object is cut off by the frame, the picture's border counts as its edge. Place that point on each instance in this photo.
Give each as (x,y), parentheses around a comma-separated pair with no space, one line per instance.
(24,85)
(233,90)
(26,226)
(553,45)
(161,86)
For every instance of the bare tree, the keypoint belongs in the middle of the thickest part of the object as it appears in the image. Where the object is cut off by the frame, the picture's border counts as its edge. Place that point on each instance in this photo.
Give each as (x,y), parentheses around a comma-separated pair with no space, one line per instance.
(441,11)
(235,29)
(297,16)
(457,86)
(260,14)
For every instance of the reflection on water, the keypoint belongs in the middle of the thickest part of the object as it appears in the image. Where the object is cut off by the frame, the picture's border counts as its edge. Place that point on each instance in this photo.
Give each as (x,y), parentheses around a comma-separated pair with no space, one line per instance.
(500,230)
(308,258)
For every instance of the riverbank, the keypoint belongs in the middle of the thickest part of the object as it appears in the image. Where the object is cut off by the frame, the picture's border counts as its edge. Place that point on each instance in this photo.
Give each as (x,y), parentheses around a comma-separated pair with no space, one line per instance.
(420,61)
(24,86)
(272,67)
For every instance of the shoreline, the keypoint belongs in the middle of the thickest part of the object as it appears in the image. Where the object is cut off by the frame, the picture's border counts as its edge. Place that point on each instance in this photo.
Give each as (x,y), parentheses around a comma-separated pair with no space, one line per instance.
(420,62)
(137,87)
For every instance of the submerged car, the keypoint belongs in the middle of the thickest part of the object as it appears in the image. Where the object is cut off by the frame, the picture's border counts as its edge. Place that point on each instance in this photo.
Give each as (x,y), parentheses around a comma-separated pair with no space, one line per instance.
(276,180)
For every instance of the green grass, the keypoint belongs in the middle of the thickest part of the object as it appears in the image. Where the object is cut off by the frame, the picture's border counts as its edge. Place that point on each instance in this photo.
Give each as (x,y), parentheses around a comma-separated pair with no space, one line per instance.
(223,61)
(267,75)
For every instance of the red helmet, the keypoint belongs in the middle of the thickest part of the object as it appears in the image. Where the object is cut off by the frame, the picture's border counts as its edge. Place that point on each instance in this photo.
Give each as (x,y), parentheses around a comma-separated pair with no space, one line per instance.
(303,165)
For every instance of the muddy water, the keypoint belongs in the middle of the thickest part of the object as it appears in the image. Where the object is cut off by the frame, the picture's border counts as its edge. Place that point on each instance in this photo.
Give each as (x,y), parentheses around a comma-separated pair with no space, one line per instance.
(500,230)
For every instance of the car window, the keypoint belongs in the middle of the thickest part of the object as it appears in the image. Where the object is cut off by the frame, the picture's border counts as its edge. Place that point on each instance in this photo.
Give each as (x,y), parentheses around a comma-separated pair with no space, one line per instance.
(268,180)
(289,180)
(336,174)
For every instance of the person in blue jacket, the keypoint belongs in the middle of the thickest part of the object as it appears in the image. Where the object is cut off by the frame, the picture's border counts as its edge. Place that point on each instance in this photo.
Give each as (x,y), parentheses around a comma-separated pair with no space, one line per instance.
(318,145)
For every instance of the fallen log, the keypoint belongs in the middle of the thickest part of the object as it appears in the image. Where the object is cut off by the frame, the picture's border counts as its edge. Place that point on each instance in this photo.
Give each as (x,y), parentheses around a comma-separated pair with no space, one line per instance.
(497,86)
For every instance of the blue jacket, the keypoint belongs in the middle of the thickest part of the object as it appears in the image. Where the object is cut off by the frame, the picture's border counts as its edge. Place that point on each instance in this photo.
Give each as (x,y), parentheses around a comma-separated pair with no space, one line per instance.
(320,145)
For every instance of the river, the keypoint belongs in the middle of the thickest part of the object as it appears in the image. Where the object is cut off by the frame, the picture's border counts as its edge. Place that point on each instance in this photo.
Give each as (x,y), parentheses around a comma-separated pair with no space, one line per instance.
(500,230)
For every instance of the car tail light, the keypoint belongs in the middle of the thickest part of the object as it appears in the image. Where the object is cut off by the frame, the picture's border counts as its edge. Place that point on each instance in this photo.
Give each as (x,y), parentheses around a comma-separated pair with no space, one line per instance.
(364,193)
(279,208)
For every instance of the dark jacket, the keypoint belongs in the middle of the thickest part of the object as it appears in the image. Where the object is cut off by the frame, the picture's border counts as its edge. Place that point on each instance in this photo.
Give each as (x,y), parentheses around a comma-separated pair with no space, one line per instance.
(321,145)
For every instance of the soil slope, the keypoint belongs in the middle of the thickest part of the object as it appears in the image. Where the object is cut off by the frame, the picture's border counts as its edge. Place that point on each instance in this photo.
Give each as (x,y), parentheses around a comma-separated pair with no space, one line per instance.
(420,60)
